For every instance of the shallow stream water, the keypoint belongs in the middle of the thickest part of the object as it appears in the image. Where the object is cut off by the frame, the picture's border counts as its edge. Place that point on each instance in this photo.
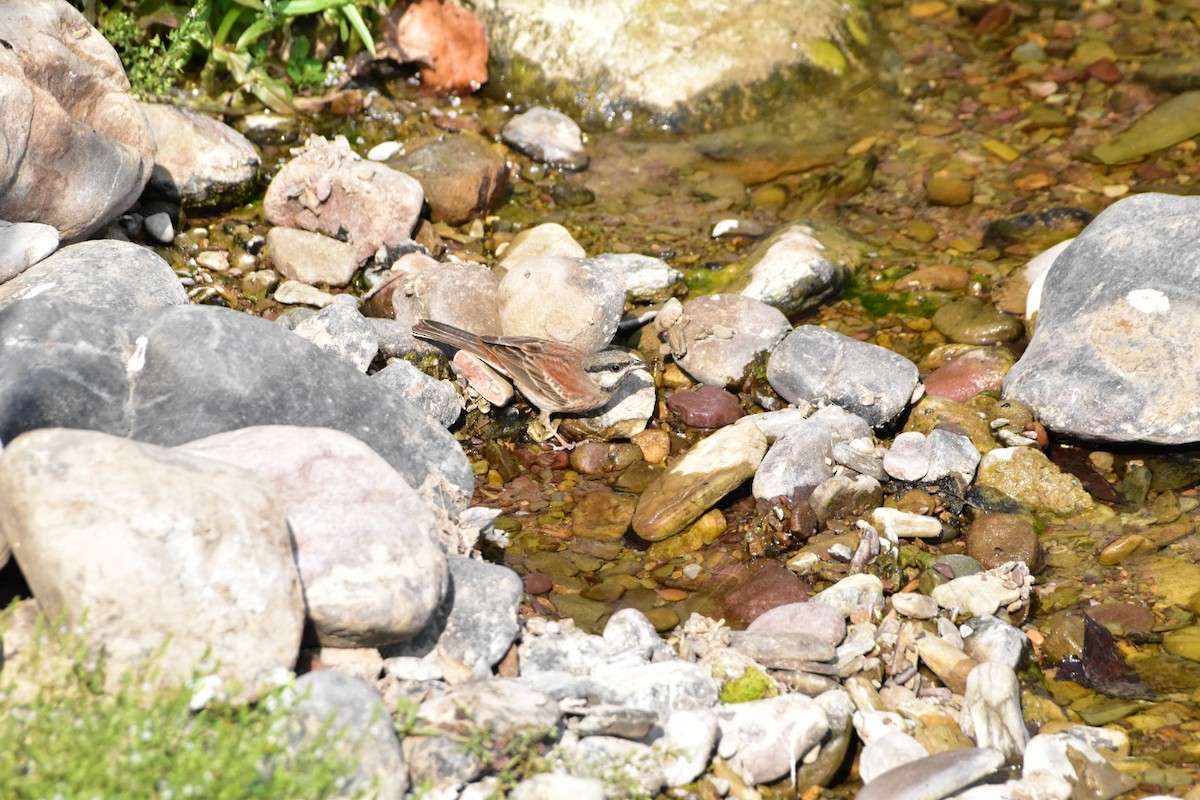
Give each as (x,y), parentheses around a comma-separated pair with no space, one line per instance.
(1008,100)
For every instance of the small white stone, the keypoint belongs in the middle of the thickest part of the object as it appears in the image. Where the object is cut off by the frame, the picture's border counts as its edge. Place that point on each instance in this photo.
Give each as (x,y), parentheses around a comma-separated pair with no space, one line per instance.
(383,151)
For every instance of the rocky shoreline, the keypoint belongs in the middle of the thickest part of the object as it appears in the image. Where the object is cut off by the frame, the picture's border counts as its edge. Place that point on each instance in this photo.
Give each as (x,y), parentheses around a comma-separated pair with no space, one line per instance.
(284,500)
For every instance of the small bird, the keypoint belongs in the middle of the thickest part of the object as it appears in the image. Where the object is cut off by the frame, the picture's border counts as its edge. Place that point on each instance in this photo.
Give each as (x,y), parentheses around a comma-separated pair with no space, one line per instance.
(553,376)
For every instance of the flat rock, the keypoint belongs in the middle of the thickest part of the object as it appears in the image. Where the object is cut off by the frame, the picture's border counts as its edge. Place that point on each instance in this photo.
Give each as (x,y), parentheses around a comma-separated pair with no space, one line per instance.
(696,481)
(107,273)
(610,58)
(814,364)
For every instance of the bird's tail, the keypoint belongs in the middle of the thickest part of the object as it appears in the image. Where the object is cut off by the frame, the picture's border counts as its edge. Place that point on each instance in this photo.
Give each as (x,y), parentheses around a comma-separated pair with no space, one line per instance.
(446,334)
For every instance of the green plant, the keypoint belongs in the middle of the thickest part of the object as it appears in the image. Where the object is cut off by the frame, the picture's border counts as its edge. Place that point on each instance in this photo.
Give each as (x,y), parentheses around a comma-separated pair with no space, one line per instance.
(70,739)
(256,42)
(511,756)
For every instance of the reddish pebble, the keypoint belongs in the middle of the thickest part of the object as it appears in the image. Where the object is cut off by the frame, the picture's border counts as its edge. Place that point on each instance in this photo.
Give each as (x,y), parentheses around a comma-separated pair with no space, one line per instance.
(973,372)
(706,407)
(537,583)
(996,18)
(1105,71)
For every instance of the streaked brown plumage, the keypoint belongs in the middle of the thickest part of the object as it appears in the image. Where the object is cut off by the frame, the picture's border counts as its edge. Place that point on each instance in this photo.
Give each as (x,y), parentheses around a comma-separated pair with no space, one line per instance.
(553,376)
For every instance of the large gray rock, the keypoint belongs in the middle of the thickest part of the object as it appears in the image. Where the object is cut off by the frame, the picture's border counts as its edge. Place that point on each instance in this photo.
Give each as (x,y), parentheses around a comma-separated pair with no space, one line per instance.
(163,559)
(477,622)
(814,364)
(367,545)
(1113,357)
(77,149)
(679,62)
(171,375)
(106,273)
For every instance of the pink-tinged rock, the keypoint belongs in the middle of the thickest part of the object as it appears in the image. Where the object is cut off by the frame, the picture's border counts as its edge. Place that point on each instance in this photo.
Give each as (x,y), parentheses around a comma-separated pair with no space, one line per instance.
(327,187)
(706,407)
(818,619)
(970,374)
(761,587)
(446,39)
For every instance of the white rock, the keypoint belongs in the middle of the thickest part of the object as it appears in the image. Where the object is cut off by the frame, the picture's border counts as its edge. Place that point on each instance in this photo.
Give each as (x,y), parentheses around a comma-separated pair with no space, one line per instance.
(852,593)
(991,712)
(905,524)
(888,752)
(764,739)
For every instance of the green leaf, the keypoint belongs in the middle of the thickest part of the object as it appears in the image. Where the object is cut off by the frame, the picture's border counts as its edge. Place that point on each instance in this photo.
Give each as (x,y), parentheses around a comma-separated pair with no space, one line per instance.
(360,27)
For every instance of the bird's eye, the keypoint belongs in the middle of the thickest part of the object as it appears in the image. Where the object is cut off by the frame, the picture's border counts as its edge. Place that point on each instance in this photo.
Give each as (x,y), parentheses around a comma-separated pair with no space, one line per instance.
(614,367)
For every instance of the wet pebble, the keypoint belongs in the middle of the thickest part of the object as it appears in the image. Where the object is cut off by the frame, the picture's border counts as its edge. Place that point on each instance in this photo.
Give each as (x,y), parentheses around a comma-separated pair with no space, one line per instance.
(1030,478)
(548,136)
(761,587)
(537,583)
(945,189)
(938,277)
(691,485)
(603,514)
(970,374)
(993,539)
(599,458)
(706,407)
(969,321)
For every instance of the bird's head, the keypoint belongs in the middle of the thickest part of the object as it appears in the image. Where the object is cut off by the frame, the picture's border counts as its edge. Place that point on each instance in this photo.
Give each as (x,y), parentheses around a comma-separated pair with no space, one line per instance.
(609,367)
